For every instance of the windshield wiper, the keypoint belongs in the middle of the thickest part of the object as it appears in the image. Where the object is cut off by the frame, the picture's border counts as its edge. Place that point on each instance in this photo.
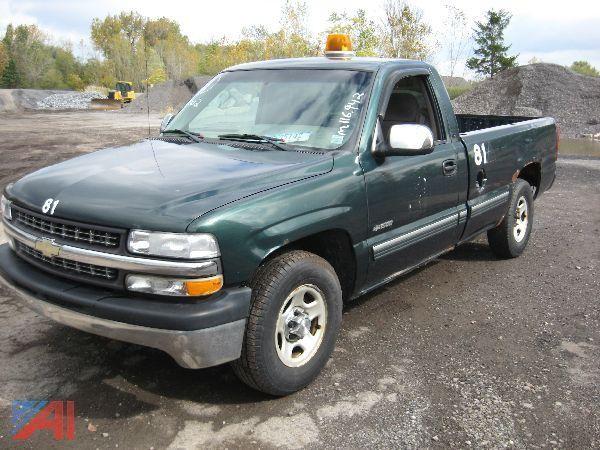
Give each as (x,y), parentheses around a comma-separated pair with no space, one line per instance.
(194,137)
(245,137)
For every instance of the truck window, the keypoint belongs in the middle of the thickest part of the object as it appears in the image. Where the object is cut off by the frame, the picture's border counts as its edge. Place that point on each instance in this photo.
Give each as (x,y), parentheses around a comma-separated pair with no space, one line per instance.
(411,102)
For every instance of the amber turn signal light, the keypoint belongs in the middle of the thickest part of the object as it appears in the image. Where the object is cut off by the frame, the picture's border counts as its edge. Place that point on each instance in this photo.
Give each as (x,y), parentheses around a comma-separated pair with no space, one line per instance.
(204,286)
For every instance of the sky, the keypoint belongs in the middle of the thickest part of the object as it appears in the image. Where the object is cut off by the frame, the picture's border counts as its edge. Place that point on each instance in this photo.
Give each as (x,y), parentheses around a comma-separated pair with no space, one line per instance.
(551,31)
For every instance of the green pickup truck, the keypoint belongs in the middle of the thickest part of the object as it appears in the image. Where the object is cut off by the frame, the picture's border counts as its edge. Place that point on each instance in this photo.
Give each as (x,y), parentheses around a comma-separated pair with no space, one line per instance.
(281,190)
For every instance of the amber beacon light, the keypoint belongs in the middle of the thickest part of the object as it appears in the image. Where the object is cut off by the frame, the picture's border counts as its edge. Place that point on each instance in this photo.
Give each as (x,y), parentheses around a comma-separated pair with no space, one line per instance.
(338,46)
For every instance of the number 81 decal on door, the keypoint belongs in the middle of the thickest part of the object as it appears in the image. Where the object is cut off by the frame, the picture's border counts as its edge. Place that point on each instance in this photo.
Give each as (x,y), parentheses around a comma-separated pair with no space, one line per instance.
(480,155)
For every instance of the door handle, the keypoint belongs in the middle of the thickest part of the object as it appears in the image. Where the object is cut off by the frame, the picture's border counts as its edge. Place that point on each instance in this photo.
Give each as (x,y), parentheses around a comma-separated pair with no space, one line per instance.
(481,179)
(449,167)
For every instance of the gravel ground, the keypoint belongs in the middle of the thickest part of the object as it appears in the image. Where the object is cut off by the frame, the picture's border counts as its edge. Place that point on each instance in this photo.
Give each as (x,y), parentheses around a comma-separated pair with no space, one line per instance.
(468,351)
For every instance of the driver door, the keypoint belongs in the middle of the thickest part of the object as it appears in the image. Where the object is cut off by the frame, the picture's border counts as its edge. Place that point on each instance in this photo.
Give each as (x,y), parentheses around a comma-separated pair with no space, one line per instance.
(412,199)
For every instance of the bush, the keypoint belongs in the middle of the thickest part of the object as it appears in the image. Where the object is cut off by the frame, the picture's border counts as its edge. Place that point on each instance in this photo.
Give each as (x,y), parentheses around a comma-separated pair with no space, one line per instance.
(74,82)
(455,91)
(51,79)
(584,68)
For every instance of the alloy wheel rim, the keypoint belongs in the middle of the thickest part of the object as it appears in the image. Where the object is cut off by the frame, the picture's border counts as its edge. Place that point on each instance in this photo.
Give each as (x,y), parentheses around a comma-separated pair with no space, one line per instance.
(300,325)
(521,219)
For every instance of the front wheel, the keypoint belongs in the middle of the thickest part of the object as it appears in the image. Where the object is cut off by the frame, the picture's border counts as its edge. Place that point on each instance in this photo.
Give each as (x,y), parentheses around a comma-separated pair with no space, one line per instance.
(294,320)
(509,239)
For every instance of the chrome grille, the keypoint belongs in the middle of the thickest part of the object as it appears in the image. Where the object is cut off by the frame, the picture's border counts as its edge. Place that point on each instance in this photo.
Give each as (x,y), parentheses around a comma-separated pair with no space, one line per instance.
(66,265)
(68,232)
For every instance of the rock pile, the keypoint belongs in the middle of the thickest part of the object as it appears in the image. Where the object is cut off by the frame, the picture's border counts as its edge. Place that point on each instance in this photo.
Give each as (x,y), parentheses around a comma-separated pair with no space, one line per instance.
(169,96)
(69,100)
(539,90)
(19,99)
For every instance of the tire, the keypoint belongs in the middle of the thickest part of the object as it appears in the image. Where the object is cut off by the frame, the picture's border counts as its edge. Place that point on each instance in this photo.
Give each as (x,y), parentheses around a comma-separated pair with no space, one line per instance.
(509,239)
(286,290)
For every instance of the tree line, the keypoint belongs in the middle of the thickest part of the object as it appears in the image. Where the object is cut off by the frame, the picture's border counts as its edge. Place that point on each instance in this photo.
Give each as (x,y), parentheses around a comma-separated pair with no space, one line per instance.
(134,48)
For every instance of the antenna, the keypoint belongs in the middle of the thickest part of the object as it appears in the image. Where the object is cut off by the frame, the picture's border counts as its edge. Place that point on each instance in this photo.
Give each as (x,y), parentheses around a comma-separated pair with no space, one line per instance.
(147,87)
(148,108)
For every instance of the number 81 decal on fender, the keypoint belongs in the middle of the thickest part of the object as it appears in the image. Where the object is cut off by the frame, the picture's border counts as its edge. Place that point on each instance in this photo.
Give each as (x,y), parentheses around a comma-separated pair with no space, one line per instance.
(480,155)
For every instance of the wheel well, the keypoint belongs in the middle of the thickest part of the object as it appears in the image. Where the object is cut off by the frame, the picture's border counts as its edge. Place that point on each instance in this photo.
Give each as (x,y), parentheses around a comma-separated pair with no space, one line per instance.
(532,173)
(335,246)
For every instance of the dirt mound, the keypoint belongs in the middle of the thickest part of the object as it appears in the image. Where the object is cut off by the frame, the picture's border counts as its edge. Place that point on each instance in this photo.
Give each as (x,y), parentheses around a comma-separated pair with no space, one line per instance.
(539,90)
(169,96)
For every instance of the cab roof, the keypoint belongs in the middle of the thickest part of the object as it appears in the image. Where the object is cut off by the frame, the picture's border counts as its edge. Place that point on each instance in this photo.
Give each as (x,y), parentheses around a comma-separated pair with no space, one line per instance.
(321,62)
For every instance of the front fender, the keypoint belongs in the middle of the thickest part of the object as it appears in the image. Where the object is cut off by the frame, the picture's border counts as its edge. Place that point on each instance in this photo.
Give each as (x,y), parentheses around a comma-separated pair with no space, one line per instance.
(252,228)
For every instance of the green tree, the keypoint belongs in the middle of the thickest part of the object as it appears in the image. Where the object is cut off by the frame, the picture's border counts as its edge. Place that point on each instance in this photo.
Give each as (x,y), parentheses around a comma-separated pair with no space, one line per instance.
(97,73)
(32,56)
(491,52)
(9,35)
(362,31)
(120,38)
(294,39)
(176,56)
(10,77)
(404,33)
(3,57)
(585,68)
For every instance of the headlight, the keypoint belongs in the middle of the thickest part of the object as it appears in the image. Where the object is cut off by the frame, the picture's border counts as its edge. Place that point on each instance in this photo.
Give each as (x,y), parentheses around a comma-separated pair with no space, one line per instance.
(5,208)
(173,245)
(169,286)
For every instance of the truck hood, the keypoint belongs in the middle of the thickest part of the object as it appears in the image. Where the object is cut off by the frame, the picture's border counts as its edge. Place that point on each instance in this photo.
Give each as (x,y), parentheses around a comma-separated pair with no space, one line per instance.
(159,185)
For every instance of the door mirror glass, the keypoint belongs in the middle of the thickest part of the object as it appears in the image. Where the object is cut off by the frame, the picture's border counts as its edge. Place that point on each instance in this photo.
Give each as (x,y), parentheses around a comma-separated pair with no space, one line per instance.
(410,139)
(166,120)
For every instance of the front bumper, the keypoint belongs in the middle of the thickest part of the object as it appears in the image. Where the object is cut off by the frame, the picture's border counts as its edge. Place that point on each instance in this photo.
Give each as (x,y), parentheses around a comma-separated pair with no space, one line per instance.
(196,333)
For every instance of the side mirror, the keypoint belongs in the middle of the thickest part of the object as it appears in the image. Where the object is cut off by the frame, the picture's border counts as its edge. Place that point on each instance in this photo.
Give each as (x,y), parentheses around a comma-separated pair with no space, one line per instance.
(410,139)
(166,120)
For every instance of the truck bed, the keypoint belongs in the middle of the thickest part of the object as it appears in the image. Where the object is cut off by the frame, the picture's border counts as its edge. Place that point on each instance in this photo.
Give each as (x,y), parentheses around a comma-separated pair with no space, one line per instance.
(498,149)
(473,122)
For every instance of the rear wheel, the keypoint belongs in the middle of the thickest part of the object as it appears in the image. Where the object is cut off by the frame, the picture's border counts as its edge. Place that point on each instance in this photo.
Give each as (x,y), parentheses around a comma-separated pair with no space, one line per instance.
(294,320)
(509,239)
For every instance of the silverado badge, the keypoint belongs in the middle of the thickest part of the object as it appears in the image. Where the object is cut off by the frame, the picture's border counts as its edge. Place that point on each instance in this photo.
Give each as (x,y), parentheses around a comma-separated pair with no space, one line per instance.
(47,247)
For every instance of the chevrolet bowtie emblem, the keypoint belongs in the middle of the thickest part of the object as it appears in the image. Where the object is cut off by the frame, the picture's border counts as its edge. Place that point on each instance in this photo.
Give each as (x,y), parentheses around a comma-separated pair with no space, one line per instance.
(47,247)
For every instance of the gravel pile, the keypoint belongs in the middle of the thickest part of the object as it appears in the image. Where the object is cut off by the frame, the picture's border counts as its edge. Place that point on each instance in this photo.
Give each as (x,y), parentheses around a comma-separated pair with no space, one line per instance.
(169,96)
(539,90)
(70,100)
(22,99)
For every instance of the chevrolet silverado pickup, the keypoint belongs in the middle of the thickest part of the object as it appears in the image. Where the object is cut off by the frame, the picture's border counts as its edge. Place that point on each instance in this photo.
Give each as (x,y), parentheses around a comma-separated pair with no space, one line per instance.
(281,190)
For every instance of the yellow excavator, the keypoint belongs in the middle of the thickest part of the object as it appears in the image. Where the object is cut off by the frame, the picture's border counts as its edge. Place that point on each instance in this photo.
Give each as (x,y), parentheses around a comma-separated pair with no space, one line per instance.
(123,93)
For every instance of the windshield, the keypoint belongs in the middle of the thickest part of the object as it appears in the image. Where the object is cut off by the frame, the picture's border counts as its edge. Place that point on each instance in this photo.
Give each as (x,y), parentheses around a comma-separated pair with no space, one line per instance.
(307,108)
(123,87)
